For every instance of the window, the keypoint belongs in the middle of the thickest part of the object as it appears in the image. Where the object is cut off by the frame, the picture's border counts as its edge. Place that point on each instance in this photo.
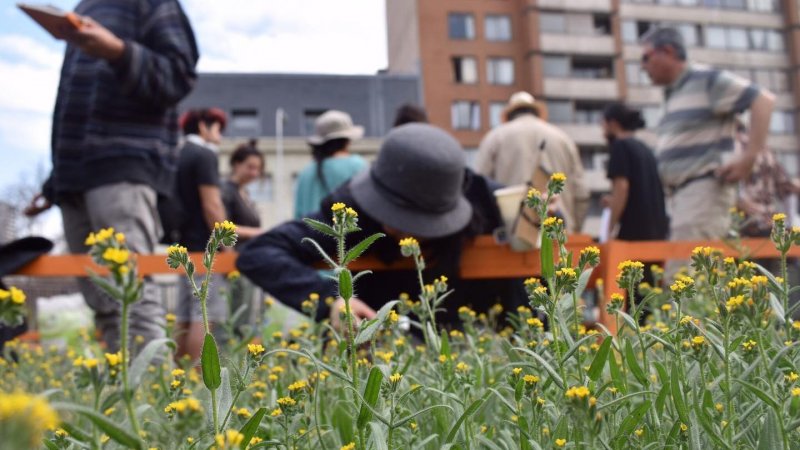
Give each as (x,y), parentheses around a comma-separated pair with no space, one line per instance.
(635,75)
(461,26)
(500,71)
(715,37)
(775,41)
(592,68)
(690,33)
(552,23)
(580,24)
(465,115)
(309,117)
(737,39)
(782,122)
(556,66)
(262,191)
(245,122)
(629,32)
(465,69)
(497,28)
(559,111)
(588,113)
(496,113)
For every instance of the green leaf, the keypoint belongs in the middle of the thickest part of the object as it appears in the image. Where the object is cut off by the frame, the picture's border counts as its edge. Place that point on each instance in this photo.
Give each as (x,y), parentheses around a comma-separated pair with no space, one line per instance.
(624,399)
(322,227)
(249,429)
(553,374)
(468,412)
(114,431)
(760,394)
(342,422)
(616,373)
(107,287)
(633,364)
(378,437)
(661,400)
(371,392)
(75,432)
(546,254)
(321,252)
(445,350)
(360,248)
(596,369)
(209,361)
(345,284)
(677,395)
(366,334)
(770,436)
(631,421)
(143,359)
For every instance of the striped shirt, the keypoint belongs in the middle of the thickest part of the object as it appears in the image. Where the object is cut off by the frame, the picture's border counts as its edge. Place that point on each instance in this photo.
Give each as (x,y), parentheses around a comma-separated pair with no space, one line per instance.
(116,121)
(699,122)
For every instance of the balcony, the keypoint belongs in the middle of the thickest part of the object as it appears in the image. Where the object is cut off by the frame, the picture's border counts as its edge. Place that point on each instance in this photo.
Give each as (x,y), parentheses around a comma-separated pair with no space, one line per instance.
(581,88)
(727,58)
(584,134)
(720,16)
(645,94)
(576,5)
(576,44)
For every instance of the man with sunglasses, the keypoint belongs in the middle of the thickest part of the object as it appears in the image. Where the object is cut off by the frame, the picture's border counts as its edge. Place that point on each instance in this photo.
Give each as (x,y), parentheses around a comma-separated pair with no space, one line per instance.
(696,135)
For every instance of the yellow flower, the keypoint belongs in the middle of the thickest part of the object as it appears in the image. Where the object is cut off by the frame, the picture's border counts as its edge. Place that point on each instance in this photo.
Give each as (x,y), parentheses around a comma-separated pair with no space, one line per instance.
(591,250)
(297,385)
(338,206)
(176,249)
(462,367)
(276,412)
(287,401)
(779,217)
(530,379)
(577,392)
(113,359)
(684,427)
(552,221)
(534,322)
(225,225)
(17,296)
(116,255)
(178,373)
(351,212)
(90,240)
(395,378)
(698,340)
(561,442)
(29,412)
(533,192)
(120,238)
(639,432)
(350,446)
(243,412)
(231,438)
(796,392)
(792,377)
(255,350)
(749,345)
(234,275)
(408,242)
(559,177)
(516,370)
(666,307)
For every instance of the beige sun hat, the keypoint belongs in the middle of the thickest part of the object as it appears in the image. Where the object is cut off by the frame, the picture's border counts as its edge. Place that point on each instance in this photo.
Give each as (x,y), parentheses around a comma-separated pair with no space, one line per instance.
(519,100)
(335,124)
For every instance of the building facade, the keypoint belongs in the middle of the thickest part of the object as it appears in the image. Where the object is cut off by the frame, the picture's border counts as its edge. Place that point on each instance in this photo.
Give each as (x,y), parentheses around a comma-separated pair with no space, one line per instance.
(578,55)
(252,102)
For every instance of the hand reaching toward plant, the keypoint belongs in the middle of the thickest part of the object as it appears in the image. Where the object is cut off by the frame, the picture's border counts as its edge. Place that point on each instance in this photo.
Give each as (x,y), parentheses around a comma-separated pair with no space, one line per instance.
(359,309)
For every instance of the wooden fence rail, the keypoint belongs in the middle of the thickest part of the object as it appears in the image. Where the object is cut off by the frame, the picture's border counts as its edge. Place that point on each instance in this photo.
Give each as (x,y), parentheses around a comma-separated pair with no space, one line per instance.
(483,258)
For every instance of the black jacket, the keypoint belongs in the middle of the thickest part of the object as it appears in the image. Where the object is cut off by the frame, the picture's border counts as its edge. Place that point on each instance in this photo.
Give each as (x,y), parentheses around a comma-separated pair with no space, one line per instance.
(281,264)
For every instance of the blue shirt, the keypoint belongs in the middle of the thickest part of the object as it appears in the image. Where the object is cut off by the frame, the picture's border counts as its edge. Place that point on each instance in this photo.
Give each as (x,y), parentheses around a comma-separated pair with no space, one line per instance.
(311,191)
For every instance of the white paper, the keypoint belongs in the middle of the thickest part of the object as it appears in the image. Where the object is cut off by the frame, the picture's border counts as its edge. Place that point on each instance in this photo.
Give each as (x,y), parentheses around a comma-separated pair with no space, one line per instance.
(605,220)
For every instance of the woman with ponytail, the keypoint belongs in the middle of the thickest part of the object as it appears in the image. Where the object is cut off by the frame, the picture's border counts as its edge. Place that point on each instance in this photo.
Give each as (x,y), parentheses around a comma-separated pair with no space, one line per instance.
(333,163)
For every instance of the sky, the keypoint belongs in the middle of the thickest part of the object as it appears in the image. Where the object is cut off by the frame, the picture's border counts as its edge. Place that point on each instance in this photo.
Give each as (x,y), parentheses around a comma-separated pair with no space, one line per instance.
(310,36)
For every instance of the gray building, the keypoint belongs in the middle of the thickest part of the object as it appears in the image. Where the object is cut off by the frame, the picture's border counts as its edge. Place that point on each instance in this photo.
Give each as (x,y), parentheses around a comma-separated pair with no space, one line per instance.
(252,101)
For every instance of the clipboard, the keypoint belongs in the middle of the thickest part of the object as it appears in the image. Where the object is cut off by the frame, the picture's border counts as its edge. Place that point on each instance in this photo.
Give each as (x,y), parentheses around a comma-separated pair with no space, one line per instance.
(56,21)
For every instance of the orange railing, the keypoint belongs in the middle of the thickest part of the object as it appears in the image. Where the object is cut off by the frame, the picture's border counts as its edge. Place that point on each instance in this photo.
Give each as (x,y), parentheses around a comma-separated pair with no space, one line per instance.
(483,258)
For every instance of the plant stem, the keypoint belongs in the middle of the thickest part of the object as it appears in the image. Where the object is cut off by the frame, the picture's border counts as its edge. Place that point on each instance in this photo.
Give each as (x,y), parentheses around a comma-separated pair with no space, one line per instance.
(127,394)
(785,296)
(236,397)
(728,381)
(767,377)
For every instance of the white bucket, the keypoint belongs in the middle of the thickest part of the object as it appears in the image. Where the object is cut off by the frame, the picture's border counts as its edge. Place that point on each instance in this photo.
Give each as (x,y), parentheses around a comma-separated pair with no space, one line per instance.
(509,200)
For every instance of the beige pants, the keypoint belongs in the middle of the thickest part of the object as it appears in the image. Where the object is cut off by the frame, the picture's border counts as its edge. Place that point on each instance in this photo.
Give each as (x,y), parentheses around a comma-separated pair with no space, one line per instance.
(130,209)
(699,211)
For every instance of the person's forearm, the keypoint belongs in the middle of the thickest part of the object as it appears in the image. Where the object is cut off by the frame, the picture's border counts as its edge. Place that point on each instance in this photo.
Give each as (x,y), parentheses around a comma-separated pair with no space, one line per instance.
(619,198)
(248,232)
(760,116)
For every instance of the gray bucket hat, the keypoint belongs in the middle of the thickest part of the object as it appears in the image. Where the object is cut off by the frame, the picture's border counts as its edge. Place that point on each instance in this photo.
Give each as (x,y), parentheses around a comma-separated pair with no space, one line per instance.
(335,124)
(415,184)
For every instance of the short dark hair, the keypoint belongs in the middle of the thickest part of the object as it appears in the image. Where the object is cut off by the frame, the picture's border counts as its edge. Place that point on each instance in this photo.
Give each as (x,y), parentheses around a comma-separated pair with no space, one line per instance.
(522,111)
(244,151)
(409,113)
(661,37)
(627,118)
(191,119)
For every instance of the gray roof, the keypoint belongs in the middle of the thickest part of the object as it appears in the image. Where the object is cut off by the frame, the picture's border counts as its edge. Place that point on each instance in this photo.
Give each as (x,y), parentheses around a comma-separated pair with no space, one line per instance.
(251,100)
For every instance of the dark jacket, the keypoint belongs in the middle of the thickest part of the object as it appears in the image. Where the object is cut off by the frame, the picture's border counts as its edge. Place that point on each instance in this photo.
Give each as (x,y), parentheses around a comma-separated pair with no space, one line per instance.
(281,264)
(116,121)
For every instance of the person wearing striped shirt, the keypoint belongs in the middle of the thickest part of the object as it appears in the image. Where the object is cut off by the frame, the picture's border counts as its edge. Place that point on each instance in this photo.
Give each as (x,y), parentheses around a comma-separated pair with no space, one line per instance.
(695,148)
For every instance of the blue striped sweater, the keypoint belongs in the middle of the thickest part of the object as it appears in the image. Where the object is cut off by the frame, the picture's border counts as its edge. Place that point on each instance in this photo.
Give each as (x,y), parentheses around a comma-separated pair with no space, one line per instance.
(117,121)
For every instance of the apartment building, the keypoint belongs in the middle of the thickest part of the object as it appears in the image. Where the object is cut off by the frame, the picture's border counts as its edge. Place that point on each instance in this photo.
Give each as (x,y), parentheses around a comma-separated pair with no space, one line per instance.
(578,55)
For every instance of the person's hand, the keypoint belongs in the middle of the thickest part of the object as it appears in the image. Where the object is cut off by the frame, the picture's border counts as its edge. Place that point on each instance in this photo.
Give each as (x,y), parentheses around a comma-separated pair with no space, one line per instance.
(96,40)
(358,308)
(38,205)
(736,170)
